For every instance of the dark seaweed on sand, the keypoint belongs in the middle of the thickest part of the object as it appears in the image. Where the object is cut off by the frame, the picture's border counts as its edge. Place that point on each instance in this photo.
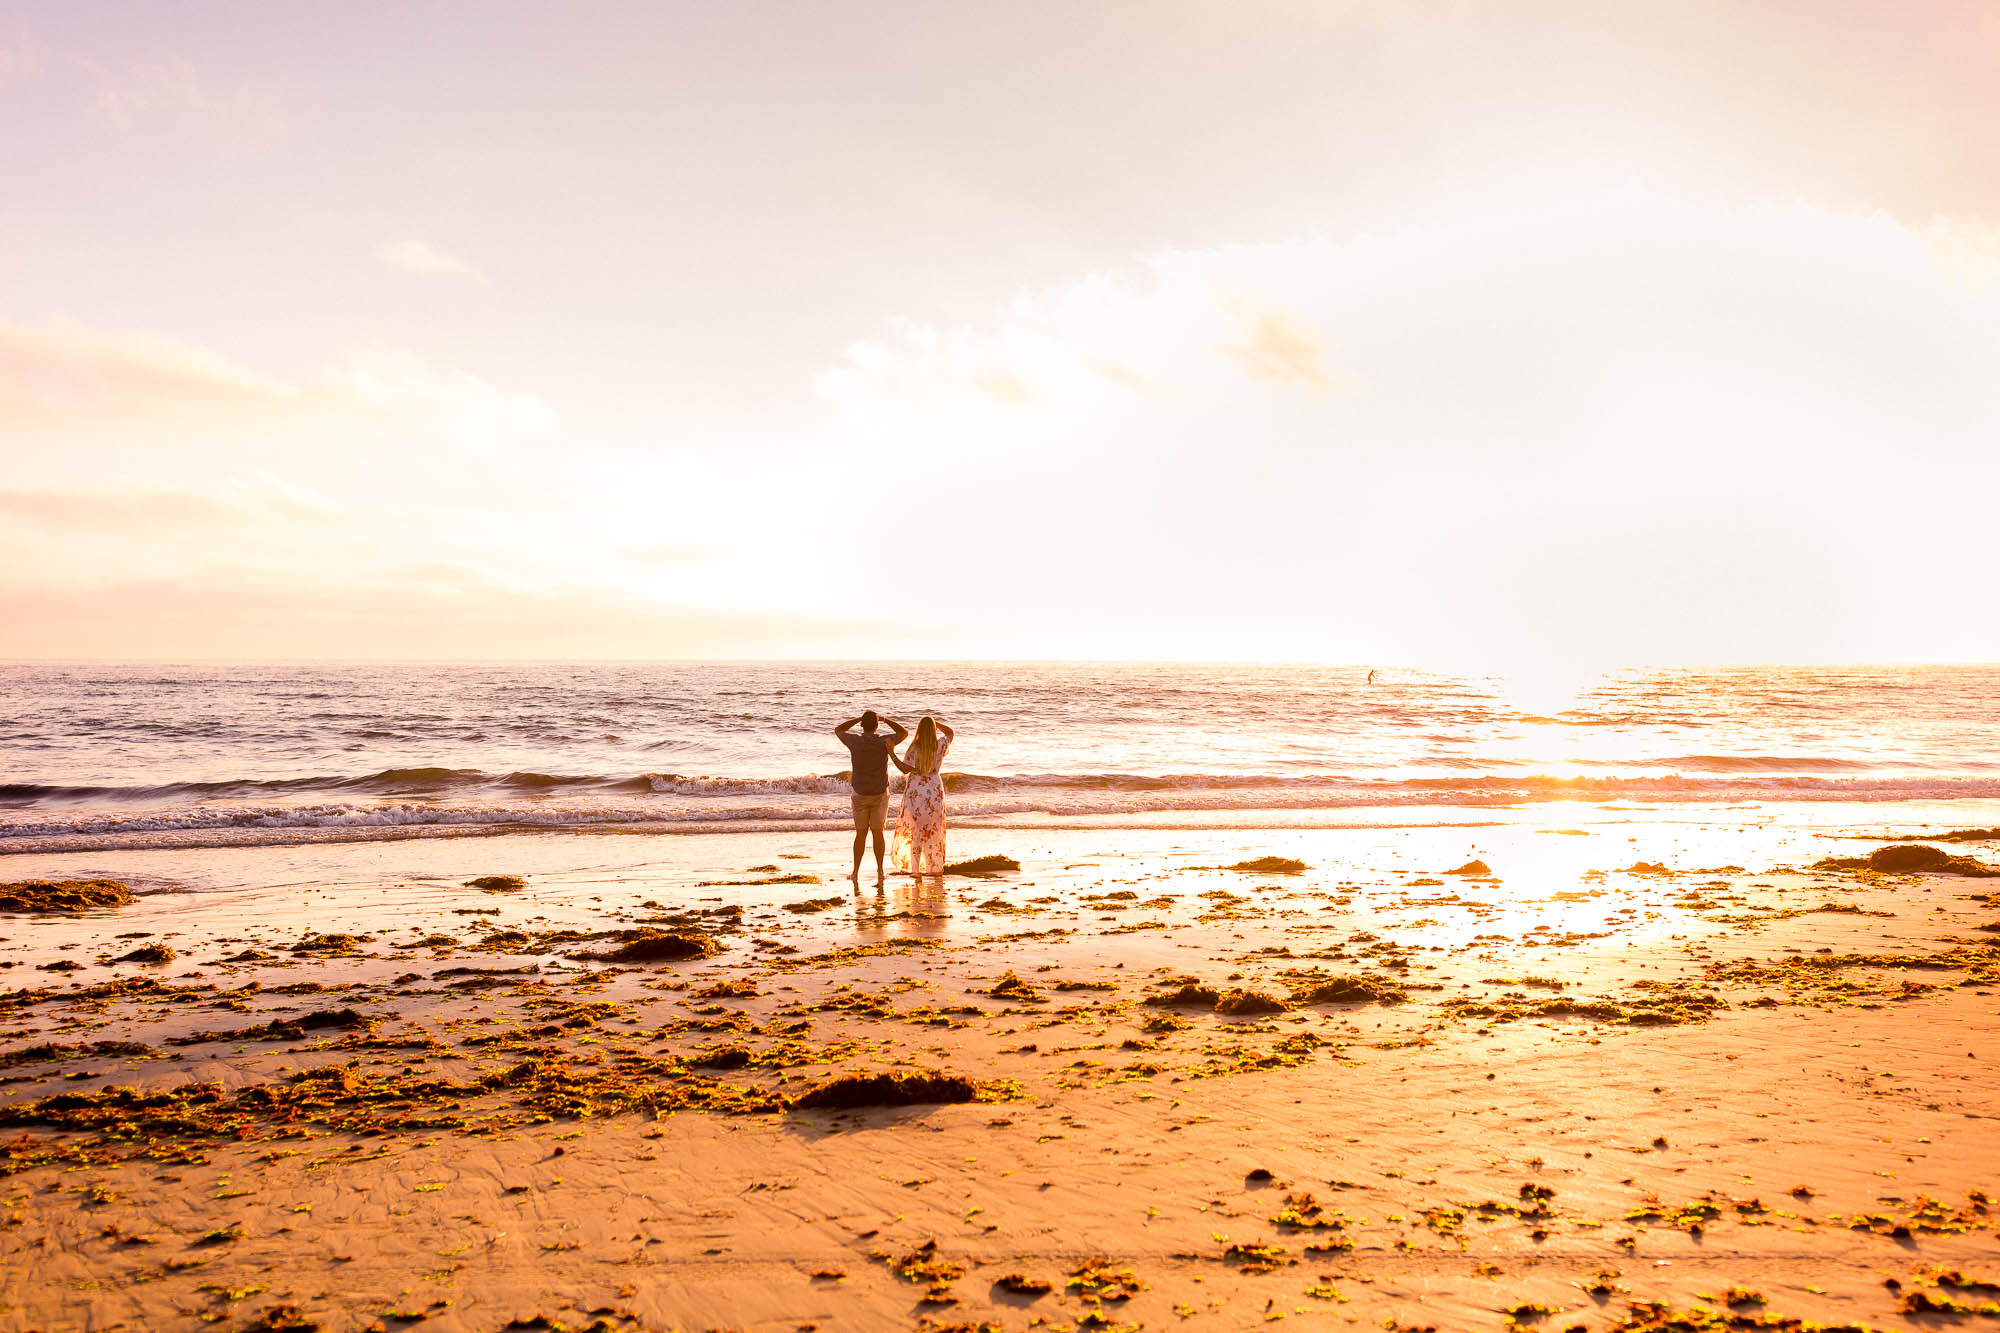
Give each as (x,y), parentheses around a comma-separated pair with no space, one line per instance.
(62,1050)
(279,1029)
(856,1090)
(661,946)
(1350,990)
(1246,1002)
(1188,995)
(331,944)
(982,865)
(63,895)
(1910,858)
(1270,865)
(497,883)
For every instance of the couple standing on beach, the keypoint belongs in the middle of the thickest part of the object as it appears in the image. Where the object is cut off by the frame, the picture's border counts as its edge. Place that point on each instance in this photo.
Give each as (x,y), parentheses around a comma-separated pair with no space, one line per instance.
(919,844)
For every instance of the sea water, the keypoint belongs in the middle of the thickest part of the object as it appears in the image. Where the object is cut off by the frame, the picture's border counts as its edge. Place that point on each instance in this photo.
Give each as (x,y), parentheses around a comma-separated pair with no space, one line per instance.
(107,755)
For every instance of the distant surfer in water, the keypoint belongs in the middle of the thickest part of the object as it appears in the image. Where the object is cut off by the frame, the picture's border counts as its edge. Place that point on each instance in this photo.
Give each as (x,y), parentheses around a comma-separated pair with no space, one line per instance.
(1371,678)
(868,775)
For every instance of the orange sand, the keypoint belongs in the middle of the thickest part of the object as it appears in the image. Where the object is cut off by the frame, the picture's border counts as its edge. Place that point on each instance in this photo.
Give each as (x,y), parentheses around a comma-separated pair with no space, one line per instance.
(1776,1148)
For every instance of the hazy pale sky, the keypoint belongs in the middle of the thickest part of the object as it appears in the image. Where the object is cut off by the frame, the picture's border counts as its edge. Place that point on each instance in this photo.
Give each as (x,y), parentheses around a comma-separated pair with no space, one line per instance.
(1455,334)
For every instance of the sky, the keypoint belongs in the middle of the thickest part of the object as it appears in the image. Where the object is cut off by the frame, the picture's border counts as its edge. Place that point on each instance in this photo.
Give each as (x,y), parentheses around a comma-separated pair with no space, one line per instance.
(1531,337)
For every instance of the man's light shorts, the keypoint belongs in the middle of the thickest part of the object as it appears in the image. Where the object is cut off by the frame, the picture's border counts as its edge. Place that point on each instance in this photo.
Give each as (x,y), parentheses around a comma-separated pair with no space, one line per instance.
(871,812)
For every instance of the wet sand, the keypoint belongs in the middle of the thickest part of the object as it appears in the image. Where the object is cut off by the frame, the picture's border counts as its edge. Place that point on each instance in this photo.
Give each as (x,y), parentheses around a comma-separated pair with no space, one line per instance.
(1568,1093)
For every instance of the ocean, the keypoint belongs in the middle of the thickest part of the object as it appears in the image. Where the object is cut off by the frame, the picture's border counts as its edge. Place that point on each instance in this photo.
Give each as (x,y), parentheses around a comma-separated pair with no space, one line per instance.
(97,756)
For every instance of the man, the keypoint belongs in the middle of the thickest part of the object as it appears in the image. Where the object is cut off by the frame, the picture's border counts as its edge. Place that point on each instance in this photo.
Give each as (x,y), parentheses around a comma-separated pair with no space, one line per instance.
(869,776)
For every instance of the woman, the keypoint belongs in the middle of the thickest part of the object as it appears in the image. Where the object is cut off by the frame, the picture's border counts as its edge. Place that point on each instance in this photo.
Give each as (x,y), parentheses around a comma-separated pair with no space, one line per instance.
(919,845)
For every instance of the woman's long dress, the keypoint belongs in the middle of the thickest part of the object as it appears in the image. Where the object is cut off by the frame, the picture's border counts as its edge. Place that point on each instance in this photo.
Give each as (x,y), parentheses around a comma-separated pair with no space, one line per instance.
(919,844)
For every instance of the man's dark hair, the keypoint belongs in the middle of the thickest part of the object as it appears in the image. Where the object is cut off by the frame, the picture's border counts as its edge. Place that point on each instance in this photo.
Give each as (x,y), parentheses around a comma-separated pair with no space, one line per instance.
(868,720)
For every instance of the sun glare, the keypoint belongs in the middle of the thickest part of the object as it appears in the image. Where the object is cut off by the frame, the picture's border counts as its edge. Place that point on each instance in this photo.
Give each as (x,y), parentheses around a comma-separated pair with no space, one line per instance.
(1545,688)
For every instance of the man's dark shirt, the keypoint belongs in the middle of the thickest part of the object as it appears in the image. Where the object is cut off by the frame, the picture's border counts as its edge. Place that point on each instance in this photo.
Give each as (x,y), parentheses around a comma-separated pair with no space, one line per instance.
(871,762)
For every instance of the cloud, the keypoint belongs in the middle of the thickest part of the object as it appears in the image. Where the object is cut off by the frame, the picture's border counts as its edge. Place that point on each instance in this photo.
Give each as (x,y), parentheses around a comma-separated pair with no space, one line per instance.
(62,375)
(1280,348)
(22,58)
(65,372)
(423,613)
(1621,422)
(143,509)
(1968,247)
(670,553)
(168,90)
(1166,324)
(425,260)
(394,386)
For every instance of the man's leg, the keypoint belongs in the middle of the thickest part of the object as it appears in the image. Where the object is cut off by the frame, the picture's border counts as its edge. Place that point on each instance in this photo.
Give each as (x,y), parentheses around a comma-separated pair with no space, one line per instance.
(878,854)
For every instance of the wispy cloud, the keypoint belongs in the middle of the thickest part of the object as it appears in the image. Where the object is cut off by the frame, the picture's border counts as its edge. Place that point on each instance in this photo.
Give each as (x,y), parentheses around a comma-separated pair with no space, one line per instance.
(64,372)
(424,612)
(21,57)
(1279,348)
(670,553)
(1166,325)
(426,261)
(1966,246)
(159,90)
(62,375)
(146,509)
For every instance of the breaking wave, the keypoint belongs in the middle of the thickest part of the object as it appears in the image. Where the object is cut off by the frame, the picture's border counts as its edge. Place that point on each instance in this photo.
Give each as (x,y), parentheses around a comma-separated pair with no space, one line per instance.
(1787,774)
(410,801)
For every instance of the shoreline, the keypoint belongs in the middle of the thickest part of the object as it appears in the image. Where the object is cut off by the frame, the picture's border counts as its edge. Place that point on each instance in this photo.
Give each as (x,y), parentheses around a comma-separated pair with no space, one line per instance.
(1915,818)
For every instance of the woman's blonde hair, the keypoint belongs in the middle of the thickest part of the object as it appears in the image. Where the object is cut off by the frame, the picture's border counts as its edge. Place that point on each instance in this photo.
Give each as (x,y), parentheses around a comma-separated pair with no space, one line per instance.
(924,749)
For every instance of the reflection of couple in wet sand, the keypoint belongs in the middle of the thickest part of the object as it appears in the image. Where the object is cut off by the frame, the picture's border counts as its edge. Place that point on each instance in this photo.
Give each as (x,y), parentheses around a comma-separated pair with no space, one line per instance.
(919,843)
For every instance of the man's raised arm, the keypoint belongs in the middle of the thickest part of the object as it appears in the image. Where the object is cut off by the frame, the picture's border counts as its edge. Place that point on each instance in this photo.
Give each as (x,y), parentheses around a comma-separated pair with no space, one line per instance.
(842,729)
(900,730)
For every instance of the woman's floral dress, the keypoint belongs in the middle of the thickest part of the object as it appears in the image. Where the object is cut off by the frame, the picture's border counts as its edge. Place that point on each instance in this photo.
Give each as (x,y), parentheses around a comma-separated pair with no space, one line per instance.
(919,844)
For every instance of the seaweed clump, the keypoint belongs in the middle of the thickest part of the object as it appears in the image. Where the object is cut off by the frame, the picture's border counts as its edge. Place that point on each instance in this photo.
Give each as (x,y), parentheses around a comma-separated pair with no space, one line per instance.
(497,883)
(63,895)
(1095,1279)
(661,946)
(1188,995)
(1270,865)
(62,1050)
(1350,990)
(1246,1002)
(982,865)
(1910,858)
(147,953)
(347,1099)
(280,1029)
(851,1091)
(331,944)
(1012,987)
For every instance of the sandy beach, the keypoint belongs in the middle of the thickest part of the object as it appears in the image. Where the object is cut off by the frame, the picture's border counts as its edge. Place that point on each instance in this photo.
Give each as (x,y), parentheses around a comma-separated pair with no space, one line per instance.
(1613,1081)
